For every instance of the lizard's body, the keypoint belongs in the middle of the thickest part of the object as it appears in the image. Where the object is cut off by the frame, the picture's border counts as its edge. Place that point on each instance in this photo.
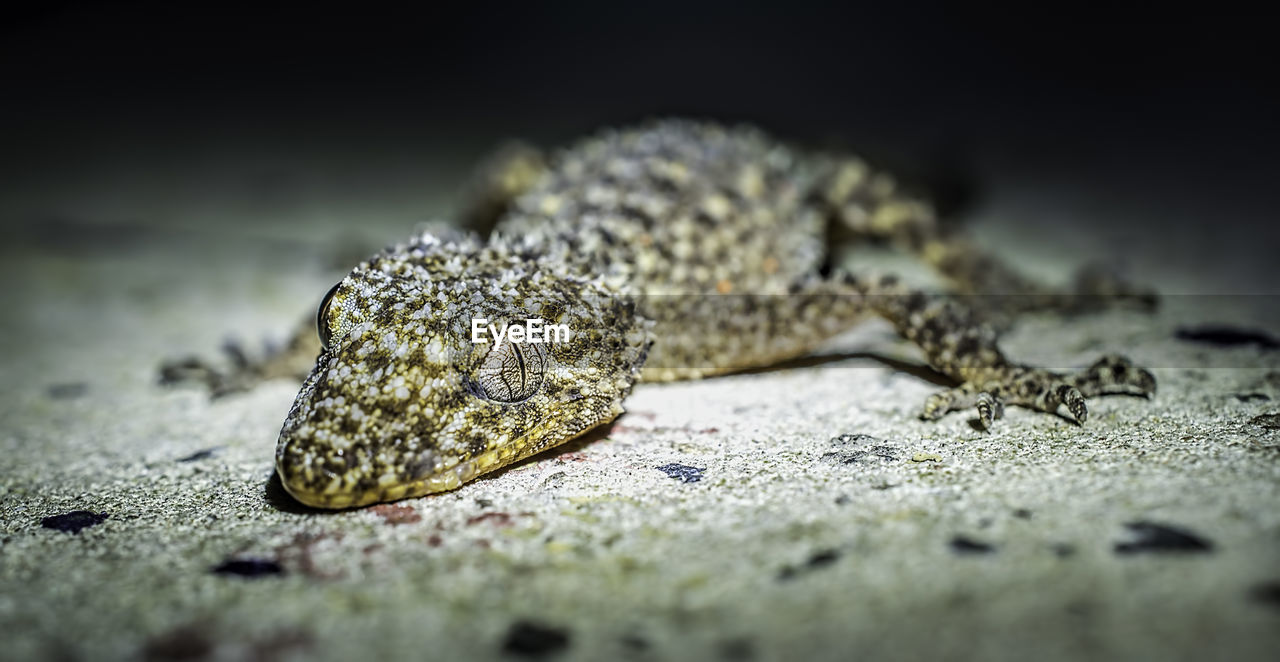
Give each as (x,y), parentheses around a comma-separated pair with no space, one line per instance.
(674,250)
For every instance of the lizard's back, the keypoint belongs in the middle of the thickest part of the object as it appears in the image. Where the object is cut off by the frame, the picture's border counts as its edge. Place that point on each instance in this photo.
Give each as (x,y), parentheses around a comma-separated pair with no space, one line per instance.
(675,207)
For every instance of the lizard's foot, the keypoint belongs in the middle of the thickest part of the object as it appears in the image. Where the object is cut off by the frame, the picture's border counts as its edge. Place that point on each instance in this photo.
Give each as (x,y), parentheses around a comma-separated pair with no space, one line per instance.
(1043,390)
(242,372)
(241,375)
(1114,374)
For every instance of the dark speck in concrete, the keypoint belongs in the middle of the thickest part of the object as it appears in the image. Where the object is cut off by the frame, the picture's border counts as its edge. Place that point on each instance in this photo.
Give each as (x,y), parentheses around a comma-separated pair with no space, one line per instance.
(1268,421)
(966,545)
(252,568)
(186,642)
(1160,538)
(1227,336)
(853,440)
(533,639)
(737,649)
(202,454)
(1080,609)
(496,519)
(635,642)
(1251,397)
(1022,513)
(1266,593)
(682,472)
(853,448)
(278,645)
(68,391)
(73,521)
(819,559)
(1062,550)
(396,514)
(886,453)
(823,558)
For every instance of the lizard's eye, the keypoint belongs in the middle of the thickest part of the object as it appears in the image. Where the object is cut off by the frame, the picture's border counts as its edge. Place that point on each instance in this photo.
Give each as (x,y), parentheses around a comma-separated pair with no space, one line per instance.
(322,317)
(512,372)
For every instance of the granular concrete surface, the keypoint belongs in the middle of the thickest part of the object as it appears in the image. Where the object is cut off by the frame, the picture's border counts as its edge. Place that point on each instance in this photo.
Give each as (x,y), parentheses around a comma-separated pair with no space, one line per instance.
(802,512)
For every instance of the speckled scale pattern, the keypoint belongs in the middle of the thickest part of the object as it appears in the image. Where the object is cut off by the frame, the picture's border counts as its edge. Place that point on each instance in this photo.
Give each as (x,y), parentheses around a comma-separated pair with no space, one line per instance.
(396,407)
(673,250)
(676,208)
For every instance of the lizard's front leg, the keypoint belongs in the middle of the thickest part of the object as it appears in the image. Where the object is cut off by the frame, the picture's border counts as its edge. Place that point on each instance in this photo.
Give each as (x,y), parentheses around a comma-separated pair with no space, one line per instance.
(959,344)
(1042,390)
(242,371)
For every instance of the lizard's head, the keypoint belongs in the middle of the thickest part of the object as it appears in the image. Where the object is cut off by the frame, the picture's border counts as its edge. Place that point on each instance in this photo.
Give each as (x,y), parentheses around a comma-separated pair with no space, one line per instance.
(413,394)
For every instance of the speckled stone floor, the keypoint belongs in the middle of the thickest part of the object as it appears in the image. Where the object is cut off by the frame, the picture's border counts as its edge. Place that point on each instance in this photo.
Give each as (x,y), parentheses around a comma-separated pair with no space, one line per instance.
(796,513)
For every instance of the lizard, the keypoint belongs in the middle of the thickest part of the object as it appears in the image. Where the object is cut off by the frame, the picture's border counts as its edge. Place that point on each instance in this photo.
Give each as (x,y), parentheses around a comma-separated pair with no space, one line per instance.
(675,249)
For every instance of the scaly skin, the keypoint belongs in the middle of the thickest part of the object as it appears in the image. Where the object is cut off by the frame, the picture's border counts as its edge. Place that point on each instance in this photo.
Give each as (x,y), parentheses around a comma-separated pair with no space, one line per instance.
(674,250)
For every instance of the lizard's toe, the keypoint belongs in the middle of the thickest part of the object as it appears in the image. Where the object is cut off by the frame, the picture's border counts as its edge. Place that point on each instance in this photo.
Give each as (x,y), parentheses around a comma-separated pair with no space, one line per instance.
(949,400)
(1074,400)
(989,408)
(937,406)
(1145,382)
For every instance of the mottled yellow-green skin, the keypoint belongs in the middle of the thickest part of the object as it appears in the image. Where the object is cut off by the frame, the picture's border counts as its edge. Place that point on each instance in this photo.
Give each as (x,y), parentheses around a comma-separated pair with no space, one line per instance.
(398,405)
(673,250)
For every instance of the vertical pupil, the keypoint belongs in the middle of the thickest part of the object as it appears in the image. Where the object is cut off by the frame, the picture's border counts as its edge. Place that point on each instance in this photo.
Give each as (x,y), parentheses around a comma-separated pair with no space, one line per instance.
(511,372)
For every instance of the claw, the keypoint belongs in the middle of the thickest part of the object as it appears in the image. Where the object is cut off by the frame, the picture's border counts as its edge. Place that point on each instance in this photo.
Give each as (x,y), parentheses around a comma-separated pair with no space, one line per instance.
(1074,400)
(935,407)
(1147,382)
(989,409)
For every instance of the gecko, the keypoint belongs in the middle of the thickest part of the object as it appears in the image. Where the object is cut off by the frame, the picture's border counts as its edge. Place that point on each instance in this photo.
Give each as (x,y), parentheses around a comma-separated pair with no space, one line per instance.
(676,249)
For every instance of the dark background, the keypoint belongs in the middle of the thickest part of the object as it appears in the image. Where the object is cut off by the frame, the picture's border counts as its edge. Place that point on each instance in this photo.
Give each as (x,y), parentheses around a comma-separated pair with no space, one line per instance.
(1175,110)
